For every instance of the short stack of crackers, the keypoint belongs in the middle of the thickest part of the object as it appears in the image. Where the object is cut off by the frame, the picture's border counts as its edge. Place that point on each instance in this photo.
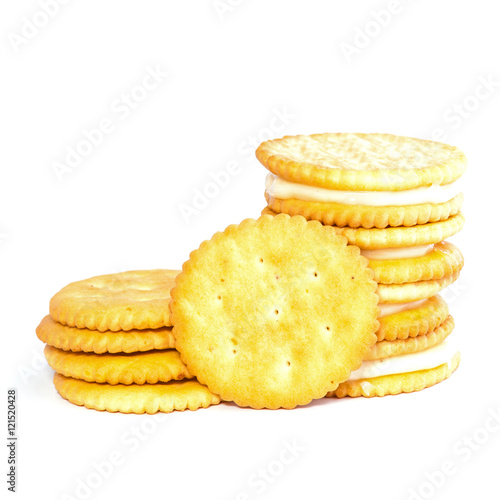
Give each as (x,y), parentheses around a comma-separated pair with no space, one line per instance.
(333,291)
(110,342)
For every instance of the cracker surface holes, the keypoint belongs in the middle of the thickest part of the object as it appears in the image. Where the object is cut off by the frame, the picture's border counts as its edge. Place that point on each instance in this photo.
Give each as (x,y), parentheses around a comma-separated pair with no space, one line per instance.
(266,315)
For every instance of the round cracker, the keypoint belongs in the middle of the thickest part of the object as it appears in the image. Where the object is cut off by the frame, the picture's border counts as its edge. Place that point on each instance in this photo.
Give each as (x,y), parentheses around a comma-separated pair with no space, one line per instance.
(362,162)
(74,339)
(396,384)
(121,301)
(413,322)
(147,398)
(409,292)
(397,237)
(360,216)
(275,312)
(444,260)
(388,348)
(137,368)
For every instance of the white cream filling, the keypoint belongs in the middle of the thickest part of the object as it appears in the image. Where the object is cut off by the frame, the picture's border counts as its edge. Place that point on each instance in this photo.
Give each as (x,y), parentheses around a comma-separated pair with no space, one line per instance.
(388,309)
(285,190)
(405,363)
(397,253)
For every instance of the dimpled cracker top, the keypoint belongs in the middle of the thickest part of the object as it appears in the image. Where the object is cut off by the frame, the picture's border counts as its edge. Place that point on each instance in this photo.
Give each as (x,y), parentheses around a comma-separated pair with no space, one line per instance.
(121,301)
(273,313)
(372,162)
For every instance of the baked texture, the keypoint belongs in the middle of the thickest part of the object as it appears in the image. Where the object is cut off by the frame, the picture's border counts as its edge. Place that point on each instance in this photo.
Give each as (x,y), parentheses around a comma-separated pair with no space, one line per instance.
(444,260)
(396,384)
(397,237)
(137,368)
(74,339)
(413,322)
(274,312)
(356,216)
(409,292)
(388,348)
(121,301)
(362,162)
(146,398)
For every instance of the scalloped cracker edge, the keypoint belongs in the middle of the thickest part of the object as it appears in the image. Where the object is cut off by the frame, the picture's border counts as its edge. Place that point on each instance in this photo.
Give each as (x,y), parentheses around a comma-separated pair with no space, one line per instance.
(69,338)
(146,398)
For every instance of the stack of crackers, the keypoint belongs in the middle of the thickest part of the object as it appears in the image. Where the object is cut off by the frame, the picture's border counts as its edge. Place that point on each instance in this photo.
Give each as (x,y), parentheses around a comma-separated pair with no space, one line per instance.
(110,342)
(397,199)
(333,291)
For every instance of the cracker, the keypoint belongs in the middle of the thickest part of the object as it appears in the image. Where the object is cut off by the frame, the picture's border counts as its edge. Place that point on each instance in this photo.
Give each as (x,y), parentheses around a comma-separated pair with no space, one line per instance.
(121,301)
(137,368)
(396,384)
(81,339)
(275,312)
(356,216)
(362,162)
(146,398)
(444,260)
(413,322)
(408,292)
(388,348)
(396,237)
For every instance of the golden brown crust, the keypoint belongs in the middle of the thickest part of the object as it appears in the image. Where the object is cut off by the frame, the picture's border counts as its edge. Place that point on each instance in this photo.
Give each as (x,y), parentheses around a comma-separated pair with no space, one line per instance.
(413,322)
(388,348)
(121,301)
(409,292)
(396,384)
(444,260)
(362,162)
(396,237)
(356,216)
(146,398)
(239,305)
(81,339)
(137,368)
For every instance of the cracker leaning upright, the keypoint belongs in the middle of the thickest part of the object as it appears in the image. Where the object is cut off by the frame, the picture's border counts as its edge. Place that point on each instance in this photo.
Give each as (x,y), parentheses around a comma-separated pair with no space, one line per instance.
(275,312)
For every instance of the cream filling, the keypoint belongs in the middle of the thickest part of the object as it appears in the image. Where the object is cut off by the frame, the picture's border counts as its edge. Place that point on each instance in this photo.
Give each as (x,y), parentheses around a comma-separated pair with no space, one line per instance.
(285,190)
(388,309)
(397,253)
(405,363)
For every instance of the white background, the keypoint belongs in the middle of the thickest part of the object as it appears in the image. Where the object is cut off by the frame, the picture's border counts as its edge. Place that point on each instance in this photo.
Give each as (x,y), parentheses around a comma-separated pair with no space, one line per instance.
(230,73)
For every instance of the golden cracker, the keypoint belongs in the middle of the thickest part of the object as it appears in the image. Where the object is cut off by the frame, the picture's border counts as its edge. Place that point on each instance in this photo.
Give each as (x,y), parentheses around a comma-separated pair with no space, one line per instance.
(121,301)
(81,339)
(388,348)
(146,398)
(368,217)
(409,292)
(137,368)
(396,237)
(444,260)
(396,384)
(413,322)
(275,312)
(362,162)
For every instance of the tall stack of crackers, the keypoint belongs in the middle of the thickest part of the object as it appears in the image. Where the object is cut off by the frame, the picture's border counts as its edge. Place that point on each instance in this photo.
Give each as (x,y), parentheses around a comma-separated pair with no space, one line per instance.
(398,200)
(109,340)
